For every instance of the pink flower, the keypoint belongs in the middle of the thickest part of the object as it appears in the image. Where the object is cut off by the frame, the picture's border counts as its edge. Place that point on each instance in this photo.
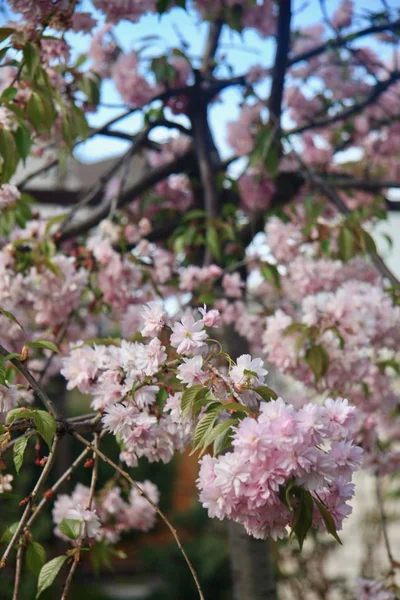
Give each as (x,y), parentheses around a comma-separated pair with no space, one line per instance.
(211,318)
(9,193)
(131,10)
(248,372)
(134,89)
(146,395)
(369,589)
(90,521)
(188,336)
(232,285)
(82,21)
(190,371)
(154,318)
(8,397)
(343,15)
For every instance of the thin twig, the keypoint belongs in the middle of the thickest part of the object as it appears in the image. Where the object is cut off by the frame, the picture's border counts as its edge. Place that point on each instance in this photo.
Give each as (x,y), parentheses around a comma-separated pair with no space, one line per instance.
(94,472)
(33,383)
(150,501)
(31,499)
(77,551)
(71,573)
(384,523)
(341,41)
(58,483)
(18,570)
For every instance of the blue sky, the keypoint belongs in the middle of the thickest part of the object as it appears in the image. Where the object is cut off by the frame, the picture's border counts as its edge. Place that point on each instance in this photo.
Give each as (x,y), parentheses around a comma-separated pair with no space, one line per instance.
(242,52)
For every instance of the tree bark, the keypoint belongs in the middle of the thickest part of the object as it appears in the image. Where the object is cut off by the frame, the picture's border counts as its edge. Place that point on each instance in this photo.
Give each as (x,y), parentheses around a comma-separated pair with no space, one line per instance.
(252,567)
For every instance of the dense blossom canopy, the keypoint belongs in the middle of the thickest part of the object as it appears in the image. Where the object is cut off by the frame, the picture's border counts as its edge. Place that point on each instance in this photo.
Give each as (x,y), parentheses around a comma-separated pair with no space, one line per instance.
(133,293)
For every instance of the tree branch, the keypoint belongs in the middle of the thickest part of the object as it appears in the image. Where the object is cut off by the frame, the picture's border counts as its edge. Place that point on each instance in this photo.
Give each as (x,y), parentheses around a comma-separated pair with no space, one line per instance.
(21,525)
(214,33)
(376,92)
(148,180)
(40,393)
(134,484)
(339,41)
(281,61)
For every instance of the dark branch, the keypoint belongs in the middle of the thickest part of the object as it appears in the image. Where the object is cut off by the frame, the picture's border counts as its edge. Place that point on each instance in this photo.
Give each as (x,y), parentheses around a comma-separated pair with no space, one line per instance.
(377,91)
(148,180)
(340,41)
(281,61)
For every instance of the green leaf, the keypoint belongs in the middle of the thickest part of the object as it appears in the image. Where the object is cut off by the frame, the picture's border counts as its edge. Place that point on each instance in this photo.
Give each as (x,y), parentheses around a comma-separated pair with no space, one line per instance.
(222,441)
(213,242)
(43,344)
(54,221)
(265,392)
(18,413)
(303,516)
(8,94)
(8,151)
(236,406)
(5,32)
(9,532)
(35,557)
(346,244)
(328,519)
(19,450)
(317,359)
(45,424)
(35,112)
(218,430)
(23,142)
(271,274)
(367,242)
(49,572)
(204,426)
(189,396)
(11,317)
(31,58)
(71,528)
(294,328)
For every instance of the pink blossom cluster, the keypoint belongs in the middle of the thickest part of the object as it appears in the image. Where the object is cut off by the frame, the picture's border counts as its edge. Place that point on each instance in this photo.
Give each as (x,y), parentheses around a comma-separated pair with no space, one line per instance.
(55,295)
(369,589)
(175,191)
(9,193)
(311,448)
(131,10)
(123,383)
(193,277)
(256,190)
(111,515)
(135,90)
(8,397)
(103,51)
(242,132)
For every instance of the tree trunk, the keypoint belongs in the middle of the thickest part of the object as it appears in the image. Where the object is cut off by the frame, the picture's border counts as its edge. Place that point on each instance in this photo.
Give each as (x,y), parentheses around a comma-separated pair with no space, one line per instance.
(252,568)
(251,559)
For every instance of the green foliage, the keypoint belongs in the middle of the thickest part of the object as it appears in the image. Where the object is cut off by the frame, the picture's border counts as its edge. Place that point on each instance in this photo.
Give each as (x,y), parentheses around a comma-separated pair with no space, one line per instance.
(44,344)
(19,450)
(44,422)
(317,359)
(270,273)
(49,572)
(35,557)
(10,317)
(71,528)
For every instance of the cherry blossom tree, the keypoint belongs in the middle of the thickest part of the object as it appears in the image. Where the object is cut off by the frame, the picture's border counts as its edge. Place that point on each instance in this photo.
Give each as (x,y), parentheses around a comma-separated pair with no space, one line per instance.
(167,300)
